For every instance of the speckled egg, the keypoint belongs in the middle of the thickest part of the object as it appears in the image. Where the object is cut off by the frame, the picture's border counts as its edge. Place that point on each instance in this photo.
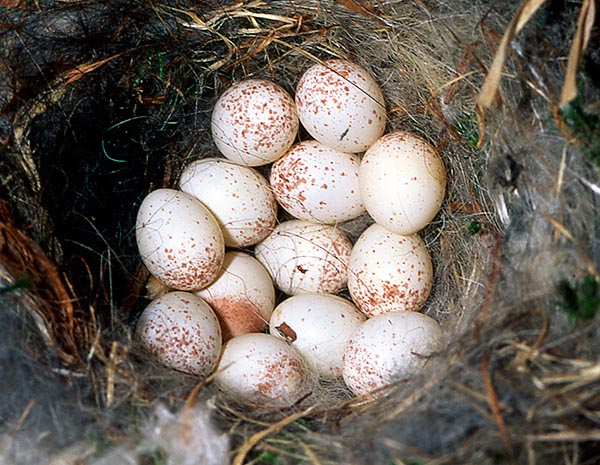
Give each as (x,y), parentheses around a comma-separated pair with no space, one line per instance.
(304,257)
(316,183)
(341,105)
(409,174)
(254,122)
(180,331)
(179,240)
(239,197)
(319,326)
(262,369)
(388,272)
(389,348)
(243,296)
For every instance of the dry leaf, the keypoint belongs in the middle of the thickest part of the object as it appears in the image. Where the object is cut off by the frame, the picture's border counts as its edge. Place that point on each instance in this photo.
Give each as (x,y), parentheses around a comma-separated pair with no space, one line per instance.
(358,7)
(580,41)
(287,332)
(492,81)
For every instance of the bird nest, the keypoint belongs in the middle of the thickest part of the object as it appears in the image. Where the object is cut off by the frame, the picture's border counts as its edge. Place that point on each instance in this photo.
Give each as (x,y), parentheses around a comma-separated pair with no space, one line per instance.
(102,103)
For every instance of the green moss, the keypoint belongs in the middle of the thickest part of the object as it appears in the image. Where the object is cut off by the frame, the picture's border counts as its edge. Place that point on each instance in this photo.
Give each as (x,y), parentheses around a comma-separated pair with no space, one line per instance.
(584,128)
(16,286)
(580,302)
(467,127)
(474,227)
(268,458)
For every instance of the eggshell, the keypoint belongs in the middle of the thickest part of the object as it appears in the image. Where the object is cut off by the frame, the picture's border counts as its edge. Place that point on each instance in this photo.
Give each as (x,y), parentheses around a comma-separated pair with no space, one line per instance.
(409,174)
(254,122)
(388,272)
(179,240)
(304,257)
(239,197)
(262,369)
(243,296)
(180,331)
(389,348)
(319,326)
(317,183)
(341,105)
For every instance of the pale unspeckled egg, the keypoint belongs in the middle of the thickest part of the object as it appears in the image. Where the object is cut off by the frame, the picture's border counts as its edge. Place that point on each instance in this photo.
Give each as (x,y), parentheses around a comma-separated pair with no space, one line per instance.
(262,369)
(179,240)
(409,174)
(243,296)
(317,183)
(254,122)
(341,105)
(389,348)
(304,257)
(239,197)
(180,331)
(388,272)
(319,326)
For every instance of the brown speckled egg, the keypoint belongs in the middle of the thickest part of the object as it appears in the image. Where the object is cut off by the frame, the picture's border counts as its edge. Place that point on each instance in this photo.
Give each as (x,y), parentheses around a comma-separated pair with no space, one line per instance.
(179,240)
(304,257)
(262,369)
(254,122)
(319,326)
(388,272)
(239,197)
(388,348)
(243,296)
(341,105)
(406,171)
(316,183)
(180,331)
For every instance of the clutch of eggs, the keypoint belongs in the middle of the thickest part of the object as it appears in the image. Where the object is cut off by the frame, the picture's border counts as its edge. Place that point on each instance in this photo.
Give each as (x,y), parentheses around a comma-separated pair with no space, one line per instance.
(373,339)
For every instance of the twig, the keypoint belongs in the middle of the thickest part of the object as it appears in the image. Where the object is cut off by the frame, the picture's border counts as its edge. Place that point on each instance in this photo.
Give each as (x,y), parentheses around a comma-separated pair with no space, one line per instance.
(569,435)
(494,404)
(17,426)
(257,437)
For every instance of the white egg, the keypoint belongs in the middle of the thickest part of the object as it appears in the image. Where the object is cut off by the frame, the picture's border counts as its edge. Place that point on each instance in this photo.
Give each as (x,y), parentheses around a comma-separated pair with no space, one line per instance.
(389,348)
(317,183)
(254,122)
(304,257)
(319,326)
(388,272)
(180,331)
(409,174)
(262,369)
(341,105)
(239,198)
(179,240)
(243,296)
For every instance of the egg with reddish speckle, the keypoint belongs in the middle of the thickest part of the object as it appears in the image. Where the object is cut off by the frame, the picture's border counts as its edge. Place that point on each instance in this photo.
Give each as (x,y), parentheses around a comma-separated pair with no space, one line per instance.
(319,326)
(254,122)
(304,257)
(316,183)
(262,369)
(388,272)
(179,240)
(239,197)
(389,348)
(243,295)
(180,331)
(340,105)
(406,171)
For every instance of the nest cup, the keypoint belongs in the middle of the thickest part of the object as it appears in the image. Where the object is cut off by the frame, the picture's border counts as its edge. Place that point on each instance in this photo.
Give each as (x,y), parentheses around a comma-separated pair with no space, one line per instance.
(102,104)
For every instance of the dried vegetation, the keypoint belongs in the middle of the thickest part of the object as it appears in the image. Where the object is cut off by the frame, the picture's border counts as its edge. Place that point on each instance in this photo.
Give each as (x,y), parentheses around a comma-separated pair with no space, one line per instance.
(103,102)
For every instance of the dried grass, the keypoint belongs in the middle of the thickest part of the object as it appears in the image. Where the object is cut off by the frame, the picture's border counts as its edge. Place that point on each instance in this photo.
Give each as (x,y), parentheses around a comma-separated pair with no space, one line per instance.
(518,382)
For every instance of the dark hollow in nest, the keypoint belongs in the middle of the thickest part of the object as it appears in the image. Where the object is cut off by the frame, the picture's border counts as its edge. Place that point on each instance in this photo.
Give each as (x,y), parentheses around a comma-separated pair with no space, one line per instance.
(102,103)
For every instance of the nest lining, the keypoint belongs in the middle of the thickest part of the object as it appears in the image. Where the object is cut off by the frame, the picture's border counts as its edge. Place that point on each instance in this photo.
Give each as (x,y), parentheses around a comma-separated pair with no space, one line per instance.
(519,219)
